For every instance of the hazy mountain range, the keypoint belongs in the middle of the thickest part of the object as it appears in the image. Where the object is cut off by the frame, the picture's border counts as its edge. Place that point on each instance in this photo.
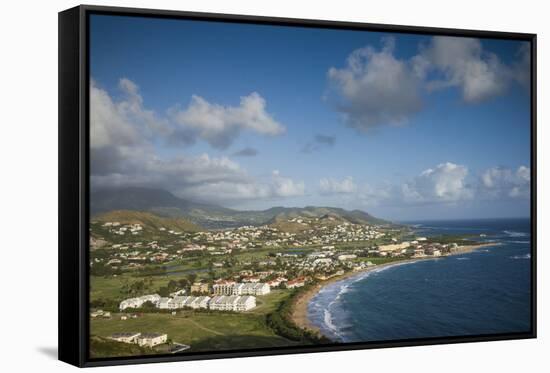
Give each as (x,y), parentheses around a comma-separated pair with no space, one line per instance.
(165,204)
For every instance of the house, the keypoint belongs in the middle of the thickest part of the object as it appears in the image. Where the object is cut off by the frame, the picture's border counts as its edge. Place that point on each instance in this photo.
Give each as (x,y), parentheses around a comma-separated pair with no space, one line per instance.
(296,283)
(418,253)
(276,282)
(125,337)
(151,339)
(100,313)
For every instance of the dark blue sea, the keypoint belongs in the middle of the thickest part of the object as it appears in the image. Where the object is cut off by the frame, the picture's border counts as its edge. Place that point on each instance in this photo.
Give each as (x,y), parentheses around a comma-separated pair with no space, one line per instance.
(484,292)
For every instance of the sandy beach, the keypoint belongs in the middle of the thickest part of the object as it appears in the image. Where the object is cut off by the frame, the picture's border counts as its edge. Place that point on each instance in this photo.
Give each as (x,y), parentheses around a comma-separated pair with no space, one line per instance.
(299,311)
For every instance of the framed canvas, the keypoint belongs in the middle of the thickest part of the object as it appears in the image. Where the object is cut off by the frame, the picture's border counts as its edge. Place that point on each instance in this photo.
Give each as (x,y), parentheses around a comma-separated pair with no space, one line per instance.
(235,186)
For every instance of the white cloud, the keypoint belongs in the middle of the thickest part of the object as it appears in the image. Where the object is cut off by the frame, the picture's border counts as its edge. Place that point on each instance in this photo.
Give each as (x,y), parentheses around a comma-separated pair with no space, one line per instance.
(502,182)
(127,121)
(286,187)
(204,178)
(376,87)
(119,130)
(109,124)
(332,186)
(479,74)
(444,183)
(220,125)
(123,133)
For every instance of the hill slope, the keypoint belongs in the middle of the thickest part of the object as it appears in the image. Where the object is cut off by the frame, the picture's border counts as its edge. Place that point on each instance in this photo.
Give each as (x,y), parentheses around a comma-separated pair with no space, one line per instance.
(147,220)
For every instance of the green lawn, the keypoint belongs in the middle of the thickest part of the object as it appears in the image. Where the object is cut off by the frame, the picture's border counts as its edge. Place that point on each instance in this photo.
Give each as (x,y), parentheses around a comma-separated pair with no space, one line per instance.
(205,331)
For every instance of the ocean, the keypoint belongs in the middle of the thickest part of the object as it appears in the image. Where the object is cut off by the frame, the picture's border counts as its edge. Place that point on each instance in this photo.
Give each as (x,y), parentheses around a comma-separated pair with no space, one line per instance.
(483,292)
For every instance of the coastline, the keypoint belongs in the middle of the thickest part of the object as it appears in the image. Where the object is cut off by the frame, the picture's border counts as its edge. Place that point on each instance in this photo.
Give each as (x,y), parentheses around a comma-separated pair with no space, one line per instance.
(300,306)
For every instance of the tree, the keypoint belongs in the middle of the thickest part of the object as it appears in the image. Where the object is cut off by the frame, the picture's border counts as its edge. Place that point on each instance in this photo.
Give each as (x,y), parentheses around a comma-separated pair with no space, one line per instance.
(191,278)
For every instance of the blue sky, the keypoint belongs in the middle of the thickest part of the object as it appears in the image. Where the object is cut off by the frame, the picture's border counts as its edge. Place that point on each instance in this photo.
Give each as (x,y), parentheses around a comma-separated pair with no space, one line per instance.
(403,126)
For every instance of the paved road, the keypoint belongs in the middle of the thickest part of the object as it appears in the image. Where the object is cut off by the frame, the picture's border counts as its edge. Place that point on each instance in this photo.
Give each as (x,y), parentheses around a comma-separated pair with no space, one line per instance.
(179,347)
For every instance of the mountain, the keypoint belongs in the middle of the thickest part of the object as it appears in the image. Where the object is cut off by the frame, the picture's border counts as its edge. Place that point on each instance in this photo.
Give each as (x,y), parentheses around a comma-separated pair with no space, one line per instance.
(165,204)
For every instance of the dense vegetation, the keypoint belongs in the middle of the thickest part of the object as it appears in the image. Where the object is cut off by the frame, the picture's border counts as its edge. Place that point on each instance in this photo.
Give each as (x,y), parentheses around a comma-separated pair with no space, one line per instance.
(281,323)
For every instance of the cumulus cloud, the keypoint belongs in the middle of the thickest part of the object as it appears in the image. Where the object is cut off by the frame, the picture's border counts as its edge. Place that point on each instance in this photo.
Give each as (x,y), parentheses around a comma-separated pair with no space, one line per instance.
(286,187)
(123,151)
(480,75)
(319,142)
(333,186)
(502,182)
(246,152)
(376,87)
(220,125)
(118,129)
(444,183)
(447,183)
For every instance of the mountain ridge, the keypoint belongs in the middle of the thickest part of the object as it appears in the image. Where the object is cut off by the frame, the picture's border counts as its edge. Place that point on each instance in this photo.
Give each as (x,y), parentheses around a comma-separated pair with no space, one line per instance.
(165,204)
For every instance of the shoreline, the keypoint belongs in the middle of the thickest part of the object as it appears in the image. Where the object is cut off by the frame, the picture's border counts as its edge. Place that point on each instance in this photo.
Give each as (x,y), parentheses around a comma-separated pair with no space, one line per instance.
(299,314)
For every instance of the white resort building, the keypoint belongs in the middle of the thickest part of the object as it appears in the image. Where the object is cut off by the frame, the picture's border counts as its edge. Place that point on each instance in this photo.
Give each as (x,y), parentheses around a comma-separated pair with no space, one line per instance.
(125,337)
(232,303)
(248,288)
(139,301)
(151,339)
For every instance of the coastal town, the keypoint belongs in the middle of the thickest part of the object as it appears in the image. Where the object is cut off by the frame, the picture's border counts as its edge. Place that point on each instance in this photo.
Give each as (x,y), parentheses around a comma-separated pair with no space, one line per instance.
(170,272)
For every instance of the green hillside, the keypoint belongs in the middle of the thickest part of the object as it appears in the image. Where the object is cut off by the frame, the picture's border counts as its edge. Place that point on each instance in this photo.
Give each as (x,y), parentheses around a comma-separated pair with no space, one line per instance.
(147,220)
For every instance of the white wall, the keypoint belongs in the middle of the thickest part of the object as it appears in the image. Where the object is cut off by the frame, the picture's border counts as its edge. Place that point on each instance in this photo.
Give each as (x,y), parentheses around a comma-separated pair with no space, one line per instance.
(28,198)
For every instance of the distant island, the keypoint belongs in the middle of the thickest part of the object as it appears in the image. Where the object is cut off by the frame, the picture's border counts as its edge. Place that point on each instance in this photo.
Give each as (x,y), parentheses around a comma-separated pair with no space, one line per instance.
(168,275)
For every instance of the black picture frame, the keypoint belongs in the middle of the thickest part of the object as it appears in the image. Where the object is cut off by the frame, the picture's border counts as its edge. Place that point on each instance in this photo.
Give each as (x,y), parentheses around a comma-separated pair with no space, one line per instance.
(74,182)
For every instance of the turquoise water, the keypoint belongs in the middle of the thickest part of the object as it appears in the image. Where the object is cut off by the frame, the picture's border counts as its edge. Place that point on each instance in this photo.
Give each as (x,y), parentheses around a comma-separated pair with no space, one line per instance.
(483,292)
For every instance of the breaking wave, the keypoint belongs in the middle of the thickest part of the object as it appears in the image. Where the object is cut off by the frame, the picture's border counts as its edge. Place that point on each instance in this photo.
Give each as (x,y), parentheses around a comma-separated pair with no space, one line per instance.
(515,234)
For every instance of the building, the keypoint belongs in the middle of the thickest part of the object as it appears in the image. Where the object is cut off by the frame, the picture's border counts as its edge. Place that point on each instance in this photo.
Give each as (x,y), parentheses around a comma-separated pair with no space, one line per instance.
(419,253)
(223,287)
(125,337)
(100,313)
(164,303)
(184,301)
(202,302)
(139,301)
(276,282)
(176,293)
(151,339)
(393,247)
(251,289)
(347,257)
(248,288)
(245,303)
(296,283)
(232,303)
(200,287)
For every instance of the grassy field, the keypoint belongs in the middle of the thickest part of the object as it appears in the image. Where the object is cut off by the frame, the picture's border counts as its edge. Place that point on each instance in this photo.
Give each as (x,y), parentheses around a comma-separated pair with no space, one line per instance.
(205,331)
